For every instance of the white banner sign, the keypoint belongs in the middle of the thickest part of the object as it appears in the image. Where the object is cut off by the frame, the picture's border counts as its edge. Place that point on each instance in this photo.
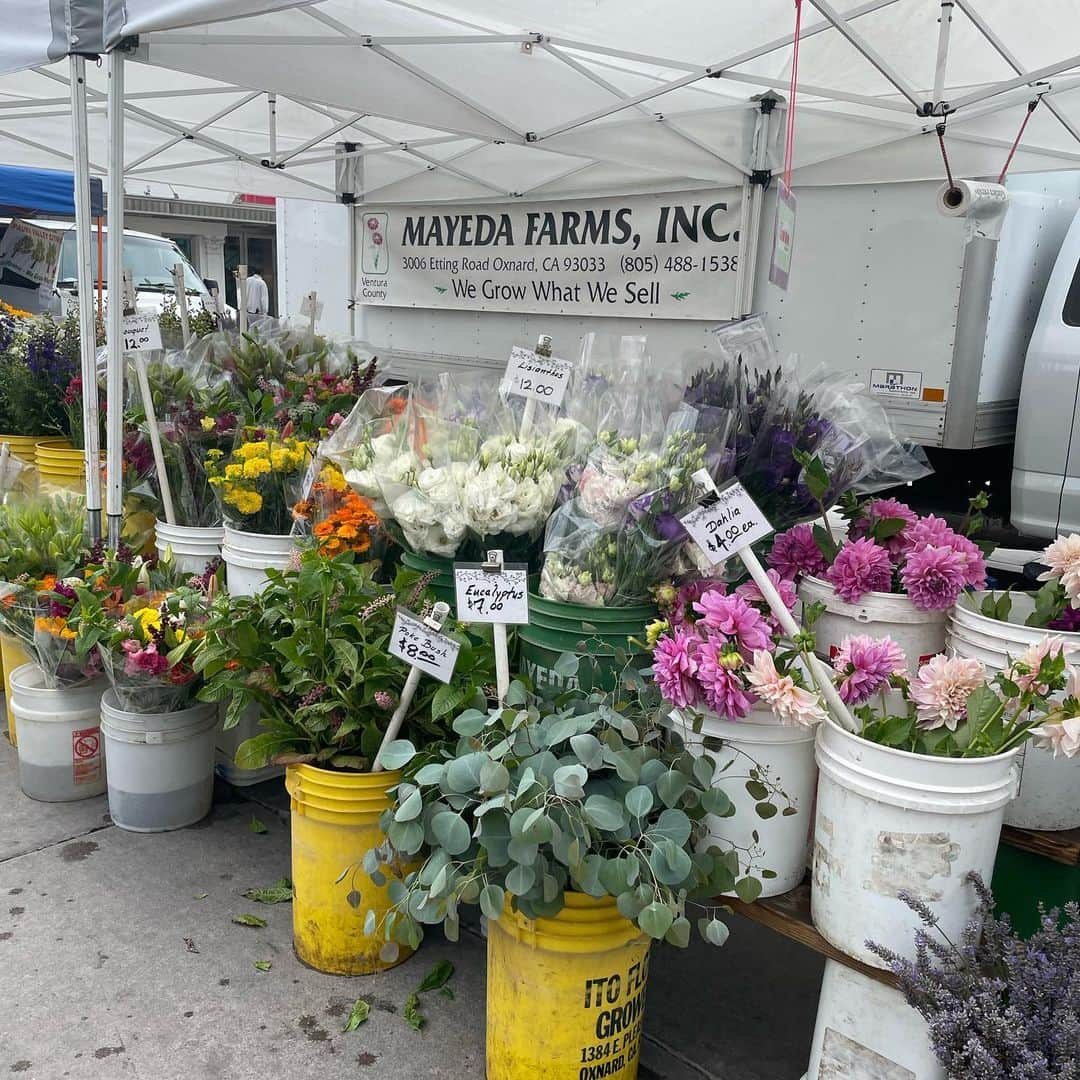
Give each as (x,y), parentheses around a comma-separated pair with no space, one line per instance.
(31,252)
(642,256)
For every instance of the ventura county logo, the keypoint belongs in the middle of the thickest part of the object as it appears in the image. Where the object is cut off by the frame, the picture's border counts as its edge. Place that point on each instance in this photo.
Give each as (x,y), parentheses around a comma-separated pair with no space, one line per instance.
(375,247)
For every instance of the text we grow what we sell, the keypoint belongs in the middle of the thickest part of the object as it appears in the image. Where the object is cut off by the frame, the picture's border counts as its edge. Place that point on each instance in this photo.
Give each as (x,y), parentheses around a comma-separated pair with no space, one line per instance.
(648,256)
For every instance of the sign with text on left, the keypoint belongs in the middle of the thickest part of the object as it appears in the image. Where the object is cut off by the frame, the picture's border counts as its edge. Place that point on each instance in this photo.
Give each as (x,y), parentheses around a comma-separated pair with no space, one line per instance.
(670,256)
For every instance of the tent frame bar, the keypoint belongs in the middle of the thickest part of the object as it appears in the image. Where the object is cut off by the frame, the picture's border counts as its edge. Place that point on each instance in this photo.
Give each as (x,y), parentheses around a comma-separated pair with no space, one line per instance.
(611,88)
(114,336)
(944,30)
(1024,79)
(353,40)
(857,41)
(1006,54)
(198,127)
(87,329)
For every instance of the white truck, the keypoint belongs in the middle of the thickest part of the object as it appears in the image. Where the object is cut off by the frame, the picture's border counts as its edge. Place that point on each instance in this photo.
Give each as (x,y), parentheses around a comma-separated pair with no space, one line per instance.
(931,315)
(150,259)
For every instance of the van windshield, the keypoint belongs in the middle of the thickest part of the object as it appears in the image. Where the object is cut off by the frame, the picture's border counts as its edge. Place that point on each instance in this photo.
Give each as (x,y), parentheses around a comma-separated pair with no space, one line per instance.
(150,262)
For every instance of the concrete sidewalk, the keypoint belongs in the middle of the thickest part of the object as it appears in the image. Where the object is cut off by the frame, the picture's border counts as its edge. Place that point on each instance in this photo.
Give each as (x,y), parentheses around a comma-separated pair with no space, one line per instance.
(118,958)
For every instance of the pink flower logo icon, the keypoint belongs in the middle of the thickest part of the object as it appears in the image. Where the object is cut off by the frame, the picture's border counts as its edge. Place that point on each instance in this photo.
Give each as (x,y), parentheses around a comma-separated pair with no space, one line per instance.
(376,239)
(372,223)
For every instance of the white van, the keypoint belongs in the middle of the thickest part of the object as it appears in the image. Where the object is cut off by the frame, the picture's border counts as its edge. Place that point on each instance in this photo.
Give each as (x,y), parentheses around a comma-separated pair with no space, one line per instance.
(149,258)
(1046,463)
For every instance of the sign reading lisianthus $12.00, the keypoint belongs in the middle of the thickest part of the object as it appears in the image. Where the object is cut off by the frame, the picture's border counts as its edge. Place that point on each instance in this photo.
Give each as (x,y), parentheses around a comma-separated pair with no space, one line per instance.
(670,256)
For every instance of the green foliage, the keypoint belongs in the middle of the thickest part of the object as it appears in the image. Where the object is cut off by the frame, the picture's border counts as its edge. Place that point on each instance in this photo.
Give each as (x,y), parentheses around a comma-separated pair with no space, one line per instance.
(42,536)
(582,793)
(311,653)
(249,920)
(357,1015)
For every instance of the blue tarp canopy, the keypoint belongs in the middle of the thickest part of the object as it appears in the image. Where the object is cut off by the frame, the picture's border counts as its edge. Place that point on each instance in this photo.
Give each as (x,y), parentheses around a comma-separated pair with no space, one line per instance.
(43,192)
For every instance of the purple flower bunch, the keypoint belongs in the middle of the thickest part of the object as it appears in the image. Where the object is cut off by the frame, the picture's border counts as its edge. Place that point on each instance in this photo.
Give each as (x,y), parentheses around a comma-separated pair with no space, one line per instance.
(888,548)
(703,651)
(997,1006)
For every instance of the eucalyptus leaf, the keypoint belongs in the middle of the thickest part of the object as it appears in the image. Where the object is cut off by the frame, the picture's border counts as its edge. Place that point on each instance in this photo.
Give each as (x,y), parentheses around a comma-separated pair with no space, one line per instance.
(639,801)
(656,919)
(492,898)
(397,754)
(451,832)
(606,814)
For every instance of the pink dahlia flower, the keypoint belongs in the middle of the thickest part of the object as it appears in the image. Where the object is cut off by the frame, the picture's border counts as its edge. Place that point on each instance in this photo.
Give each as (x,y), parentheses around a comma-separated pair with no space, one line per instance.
(791,704)
(1063,558)
(795,552)
(866,665)
(934,577)
(147,662)
(941,689)
(686,596)
(861,566)
(930,531)
(1024,670)
(883,510)
(733,617)
(749,591)
(1061,736)
(674,667)
(719,679)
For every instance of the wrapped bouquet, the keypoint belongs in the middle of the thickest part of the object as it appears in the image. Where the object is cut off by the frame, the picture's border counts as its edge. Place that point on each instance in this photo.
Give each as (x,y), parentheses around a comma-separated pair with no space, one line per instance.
(260,481)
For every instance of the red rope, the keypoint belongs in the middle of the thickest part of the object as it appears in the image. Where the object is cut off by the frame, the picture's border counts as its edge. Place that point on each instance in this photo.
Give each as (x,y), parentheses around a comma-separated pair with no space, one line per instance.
(944,155)
(1019,135)
(789,138)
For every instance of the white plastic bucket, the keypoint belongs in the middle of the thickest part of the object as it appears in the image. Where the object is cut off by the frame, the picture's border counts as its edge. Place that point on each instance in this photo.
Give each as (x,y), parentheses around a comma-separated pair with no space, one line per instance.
(1049,796)
(866,1030)
(192,546)
(921,634)
(785,754)
(61,758)
(248,556)
(161,765)
(228,741)
(889,821)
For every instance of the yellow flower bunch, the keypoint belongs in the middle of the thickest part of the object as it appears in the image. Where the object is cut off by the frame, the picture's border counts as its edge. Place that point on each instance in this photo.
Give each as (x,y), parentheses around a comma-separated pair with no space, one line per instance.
(259,477)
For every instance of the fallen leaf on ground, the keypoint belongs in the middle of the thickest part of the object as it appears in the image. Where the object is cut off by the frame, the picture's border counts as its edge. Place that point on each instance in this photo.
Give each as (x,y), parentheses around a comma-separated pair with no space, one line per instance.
(248,920)
(281,892)
(262,965)
(257,826)
(358,1015)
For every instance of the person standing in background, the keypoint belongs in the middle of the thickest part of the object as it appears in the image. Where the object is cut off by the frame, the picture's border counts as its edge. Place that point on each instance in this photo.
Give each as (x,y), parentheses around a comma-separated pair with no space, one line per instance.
(258,295)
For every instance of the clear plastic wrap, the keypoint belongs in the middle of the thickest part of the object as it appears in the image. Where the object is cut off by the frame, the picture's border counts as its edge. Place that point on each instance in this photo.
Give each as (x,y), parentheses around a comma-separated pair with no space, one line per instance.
(446,469)
(800,438)
(621,534)
(259,483)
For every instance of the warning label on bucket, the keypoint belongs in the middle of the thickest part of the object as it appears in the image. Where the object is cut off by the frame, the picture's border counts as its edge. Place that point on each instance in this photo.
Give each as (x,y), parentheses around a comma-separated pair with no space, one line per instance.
(86,755)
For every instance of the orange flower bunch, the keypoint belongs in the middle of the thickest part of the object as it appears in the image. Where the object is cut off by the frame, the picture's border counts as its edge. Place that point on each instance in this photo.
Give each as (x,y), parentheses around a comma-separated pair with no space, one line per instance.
(346,521)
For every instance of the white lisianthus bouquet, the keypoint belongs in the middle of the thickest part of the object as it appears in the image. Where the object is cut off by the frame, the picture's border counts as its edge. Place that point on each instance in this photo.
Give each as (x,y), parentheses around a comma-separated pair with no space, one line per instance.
(446,489)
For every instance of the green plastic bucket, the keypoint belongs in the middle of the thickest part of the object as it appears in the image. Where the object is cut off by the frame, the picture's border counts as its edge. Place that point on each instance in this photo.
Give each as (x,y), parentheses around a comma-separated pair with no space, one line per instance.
(556,628)
(443,585)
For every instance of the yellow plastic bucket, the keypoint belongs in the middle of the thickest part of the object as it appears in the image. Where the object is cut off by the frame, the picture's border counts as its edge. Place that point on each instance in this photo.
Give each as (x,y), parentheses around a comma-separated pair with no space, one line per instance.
(566,996)
(335,820)
(60,467)
(23,446)
(14,655)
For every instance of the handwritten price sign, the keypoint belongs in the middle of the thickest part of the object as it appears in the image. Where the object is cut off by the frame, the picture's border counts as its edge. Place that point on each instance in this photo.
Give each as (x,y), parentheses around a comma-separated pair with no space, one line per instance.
(484,596)
(542,378)
(724,527)
(141,332)
(433,653)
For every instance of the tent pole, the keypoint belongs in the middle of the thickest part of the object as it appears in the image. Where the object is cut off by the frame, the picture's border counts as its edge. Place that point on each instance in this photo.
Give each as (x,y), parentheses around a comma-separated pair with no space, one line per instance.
(754,203)
(944,29)
(351,246)
(271,124)
(87,330)
(114,394)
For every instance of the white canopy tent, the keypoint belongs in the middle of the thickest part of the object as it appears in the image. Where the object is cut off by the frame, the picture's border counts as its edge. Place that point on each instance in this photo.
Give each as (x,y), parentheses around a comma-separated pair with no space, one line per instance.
(476,100)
